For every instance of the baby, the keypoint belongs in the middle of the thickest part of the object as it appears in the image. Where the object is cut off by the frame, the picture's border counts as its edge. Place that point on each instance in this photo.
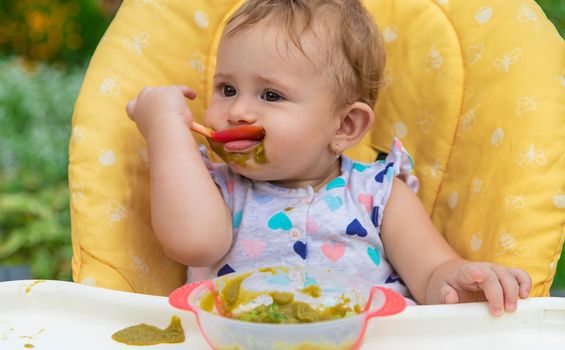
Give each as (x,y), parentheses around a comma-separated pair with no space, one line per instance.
(308,72)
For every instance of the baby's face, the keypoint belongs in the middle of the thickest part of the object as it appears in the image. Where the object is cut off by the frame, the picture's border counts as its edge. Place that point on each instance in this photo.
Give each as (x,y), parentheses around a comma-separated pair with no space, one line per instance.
(263,79)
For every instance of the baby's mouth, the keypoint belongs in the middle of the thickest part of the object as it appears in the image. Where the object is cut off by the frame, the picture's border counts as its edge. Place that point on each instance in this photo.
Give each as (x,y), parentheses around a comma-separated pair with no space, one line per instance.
(240,146)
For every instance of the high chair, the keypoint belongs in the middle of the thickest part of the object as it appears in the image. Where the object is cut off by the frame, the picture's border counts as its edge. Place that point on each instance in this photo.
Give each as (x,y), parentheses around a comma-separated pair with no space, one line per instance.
(475,90)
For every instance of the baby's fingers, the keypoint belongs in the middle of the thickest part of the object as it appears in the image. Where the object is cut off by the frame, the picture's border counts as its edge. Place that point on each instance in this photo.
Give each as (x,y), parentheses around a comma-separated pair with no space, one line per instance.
(184,90)
(510,287)
(524,281)
(449,295)
(187,92)
(489,283)
(130,107)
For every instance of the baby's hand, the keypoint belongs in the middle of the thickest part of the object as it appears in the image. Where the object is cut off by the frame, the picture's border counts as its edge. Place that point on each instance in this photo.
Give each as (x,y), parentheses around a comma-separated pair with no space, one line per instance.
(156,106)
(496,284)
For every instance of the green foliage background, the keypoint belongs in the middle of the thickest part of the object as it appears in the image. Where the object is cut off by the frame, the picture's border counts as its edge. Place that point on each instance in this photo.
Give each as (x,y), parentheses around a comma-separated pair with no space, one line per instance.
(35,110)
(54,31)
(44,47)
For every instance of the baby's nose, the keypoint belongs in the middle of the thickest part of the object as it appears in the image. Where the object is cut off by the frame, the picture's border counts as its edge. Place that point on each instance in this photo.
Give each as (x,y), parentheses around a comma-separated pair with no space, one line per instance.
(242,113)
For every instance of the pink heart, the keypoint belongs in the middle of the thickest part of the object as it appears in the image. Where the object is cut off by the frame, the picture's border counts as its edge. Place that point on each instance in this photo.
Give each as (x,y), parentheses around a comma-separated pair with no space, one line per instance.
(230,184)
(311,226)
(334,252)
(367,201)
(253,248)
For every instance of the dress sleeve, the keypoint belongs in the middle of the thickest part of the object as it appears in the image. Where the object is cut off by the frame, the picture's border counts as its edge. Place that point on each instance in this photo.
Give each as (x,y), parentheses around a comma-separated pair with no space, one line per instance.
(398,163)
(403,165)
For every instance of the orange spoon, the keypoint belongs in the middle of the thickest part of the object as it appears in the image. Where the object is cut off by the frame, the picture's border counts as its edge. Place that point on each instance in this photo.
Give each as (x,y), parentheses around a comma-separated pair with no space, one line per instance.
(237,133)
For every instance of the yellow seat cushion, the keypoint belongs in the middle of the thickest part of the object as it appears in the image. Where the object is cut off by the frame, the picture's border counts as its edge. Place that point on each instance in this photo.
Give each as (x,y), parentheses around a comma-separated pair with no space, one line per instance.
(474,89)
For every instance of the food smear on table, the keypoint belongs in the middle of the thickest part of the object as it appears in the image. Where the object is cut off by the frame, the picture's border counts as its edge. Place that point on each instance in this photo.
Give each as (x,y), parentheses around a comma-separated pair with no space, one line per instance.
(144,334)
(33,284)
(283,308)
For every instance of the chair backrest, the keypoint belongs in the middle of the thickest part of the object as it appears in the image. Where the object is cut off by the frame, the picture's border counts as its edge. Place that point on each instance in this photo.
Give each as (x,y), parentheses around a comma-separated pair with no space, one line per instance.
(476,92)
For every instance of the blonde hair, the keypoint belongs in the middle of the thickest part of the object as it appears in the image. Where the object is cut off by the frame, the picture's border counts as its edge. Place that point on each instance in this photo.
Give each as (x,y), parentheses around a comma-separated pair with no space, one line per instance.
(355,53)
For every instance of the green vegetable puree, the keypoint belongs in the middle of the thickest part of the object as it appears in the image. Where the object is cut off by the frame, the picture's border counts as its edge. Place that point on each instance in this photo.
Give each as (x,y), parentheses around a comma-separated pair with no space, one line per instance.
(144,334)
(283,309)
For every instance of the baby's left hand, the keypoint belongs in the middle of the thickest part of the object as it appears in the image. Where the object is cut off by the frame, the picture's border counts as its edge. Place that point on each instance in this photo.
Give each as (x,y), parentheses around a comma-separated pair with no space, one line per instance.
(496,284)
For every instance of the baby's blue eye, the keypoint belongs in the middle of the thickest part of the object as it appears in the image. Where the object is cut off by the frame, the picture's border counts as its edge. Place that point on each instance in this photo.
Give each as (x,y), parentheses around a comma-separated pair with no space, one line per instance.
(271,96)
(228,91)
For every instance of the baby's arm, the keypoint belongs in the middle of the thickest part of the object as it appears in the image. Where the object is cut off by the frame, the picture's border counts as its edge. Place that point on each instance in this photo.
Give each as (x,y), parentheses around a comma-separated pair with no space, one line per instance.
(433,272)
(188,213)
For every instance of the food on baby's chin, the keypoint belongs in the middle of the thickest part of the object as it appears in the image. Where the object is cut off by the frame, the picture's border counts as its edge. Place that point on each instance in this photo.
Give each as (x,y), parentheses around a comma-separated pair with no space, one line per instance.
(283,309)
(144,334)
(258,154)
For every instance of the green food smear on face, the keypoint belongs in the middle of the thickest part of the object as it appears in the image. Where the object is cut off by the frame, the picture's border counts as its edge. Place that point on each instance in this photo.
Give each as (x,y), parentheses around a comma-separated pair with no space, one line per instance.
(283,309)
(258,154)
(260,157)
(144,334)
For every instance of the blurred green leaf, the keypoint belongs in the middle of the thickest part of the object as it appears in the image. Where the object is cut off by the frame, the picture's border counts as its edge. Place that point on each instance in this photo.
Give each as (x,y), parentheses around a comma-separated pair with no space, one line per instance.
(35,119)
(555,11)
(56,31)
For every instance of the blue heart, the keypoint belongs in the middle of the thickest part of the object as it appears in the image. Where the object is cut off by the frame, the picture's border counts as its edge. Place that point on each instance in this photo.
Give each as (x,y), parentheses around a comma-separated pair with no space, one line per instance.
(333,202)
(355,228)
(280,280)
(381,175)
(360,167)
(225,270)
(374,255)
(336,183)
(301,249)
(236,219)
(375,216)
(280,220)
(262,198)
(391,279)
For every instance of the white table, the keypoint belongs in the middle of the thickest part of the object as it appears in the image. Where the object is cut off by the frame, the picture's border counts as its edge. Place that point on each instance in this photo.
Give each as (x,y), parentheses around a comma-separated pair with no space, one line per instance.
(63,315)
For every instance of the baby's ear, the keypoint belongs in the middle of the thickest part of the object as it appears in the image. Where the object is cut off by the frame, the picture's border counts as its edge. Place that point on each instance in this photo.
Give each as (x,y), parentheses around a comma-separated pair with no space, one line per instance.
(356,120)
